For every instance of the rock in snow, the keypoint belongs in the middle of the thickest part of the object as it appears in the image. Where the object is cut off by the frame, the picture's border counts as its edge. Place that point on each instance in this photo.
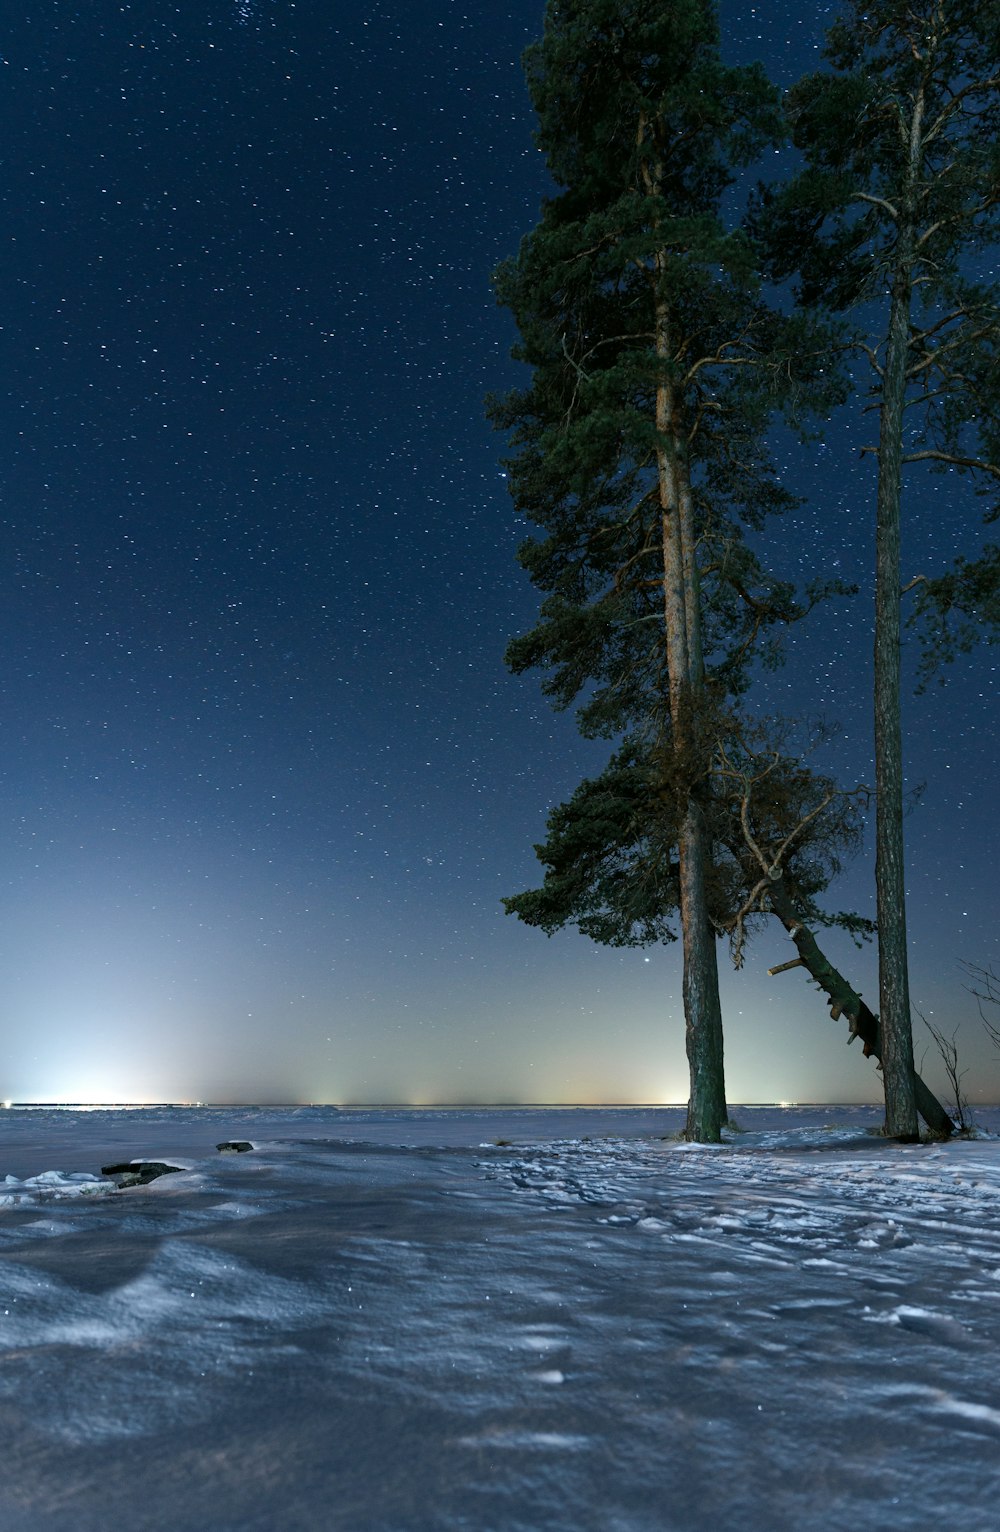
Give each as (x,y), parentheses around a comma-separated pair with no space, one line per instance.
(140,1172)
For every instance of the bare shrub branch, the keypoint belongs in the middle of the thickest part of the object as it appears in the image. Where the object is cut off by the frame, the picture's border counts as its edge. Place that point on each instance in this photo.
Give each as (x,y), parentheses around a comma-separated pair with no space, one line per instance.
(947,1049)
(986,988)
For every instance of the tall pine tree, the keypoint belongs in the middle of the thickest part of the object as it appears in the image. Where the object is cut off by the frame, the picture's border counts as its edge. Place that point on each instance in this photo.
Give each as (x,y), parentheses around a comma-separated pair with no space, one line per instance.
(894,217)
(637,445)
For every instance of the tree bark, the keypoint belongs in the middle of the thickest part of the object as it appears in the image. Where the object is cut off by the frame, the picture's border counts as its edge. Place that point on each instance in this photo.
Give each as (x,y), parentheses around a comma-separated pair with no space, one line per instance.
(707,1111)
(703,1035)
(845,1001)
(894,989)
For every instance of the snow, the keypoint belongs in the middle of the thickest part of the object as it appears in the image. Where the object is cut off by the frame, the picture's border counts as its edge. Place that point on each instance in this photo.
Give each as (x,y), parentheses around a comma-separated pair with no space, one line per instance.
(496,1320)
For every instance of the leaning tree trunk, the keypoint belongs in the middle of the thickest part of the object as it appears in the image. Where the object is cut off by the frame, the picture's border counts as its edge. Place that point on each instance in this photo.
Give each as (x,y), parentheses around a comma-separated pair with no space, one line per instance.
(845,1001)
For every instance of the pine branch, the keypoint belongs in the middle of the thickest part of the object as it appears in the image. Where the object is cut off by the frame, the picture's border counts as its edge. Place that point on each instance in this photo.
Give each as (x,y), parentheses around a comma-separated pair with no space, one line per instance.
(933,454)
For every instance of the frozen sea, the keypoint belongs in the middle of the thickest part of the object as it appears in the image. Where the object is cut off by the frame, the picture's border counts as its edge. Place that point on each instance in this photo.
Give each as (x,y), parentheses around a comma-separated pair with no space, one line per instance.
(504,1320)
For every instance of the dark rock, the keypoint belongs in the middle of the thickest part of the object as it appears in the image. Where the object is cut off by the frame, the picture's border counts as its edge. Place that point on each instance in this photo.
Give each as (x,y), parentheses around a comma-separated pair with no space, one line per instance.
(140,1172)
(235,1146)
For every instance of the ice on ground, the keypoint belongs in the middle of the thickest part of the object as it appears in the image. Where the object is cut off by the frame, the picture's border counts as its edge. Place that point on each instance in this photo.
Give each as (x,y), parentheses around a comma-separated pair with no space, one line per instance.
(380,1322)
(52,1183)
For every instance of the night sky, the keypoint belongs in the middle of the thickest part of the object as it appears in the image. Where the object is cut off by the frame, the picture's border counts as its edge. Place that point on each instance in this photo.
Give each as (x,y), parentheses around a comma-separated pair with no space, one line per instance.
(264,777)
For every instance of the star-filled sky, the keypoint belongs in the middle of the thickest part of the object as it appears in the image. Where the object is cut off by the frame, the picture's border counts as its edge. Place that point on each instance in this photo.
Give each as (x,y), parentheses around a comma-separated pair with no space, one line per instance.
(264,777)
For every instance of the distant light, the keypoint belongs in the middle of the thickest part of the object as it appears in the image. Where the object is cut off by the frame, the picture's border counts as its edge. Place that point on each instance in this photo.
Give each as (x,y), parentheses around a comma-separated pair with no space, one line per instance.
(7,1105)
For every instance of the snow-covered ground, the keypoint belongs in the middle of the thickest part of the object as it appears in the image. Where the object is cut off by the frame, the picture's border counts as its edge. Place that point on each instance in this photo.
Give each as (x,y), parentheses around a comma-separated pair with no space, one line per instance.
(496,1321)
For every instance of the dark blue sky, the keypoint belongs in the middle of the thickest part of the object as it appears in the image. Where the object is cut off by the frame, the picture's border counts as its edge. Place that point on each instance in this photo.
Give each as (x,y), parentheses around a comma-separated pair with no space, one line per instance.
(264,776)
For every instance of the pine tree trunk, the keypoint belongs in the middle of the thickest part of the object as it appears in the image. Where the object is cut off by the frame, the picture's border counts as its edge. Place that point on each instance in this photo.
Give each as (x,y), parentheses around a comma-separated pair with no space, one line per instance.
(707,1111)
(893,973)
(692,583)
(682,621)
(894,987)
(685,667)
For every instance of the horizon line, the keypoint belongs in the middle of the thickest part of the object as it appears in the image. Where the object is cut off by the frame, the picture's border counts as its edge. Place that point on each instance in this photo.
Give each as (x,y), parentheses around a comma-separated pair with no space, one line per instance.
(411,1106)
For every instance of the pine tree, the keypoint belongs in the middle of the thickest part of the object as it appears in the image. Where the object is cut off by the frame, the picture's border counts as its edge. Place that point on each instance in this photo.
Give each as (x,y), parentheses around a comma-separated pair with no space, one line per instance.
(890,218)
(637,445)
(780,834)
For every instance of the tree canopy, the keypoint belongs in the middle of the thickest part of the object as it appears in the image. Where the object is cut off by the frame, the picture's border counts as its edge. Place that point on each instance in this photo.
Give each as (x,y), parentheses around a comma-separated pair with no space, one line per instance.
(638,446)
